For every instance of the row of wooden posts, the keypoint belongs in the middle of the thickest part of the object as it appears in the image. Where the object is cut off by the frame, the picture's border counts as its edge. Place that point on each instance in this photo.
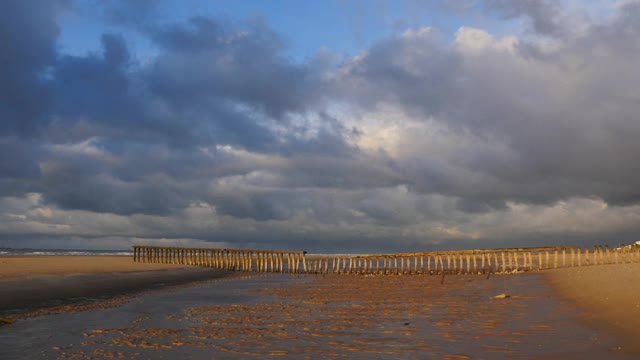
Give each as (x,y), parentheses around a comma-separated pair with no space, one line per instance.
(445,262)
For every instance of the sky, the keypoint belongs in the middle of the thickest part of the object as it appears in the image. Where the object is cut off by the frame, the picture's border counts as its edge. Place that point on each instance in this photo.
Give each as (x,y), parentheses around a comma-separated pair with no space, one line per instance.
(327,126)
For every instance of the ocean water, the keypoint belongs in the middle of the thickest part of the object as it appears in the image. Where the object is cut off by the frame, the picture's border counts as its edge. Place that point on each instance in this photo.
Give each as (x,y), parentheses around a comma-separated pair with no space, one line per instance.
(63,252)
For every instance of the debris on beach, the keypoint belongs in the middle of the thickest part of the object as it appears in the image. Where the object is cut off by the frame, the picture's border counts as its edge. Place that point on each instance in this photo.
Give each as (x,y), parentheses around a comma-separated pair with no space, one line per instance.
(501,296)
(5,321)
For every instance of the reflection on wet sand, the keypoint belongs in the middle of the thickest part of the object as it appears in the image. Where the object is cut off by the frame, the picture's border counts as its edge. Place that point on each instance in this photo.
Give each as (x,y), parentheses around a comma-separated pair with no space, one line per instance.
(364,317)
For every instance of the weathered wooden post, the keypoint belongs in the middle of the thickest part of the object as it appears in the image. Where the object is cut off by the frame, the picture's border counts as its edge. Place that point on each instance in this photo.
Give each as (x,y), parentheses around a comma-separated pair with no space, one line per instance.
(531,267)
(555,259)
(504,263)
(579,257)
(539,260)
(298,260)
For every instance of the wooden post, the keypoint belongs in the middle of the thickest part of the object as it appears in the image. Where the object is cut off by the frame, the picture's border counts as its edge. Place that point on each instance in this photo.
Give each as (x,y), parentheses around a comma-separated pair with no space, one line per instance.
(511,256)
(539,260)
(555,260)
(579,257)
(531,267)
(586,256)
(504,264)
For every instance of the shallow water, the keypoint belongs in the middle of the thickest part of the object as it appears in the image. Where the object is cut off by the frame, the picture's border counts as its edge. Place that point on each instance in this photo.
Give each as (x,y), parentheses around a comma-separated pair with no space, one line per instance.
(297,317)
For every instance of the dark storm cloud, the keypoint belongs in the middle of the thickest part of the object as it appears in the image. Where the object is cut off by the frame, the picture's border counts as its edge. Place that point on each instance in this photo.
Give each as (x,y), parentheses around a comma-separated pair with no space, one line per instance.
(205,61)
(219,136)
(566,120)
(95,86)
(543,14)
(28,33)
(130,13)
(413,69)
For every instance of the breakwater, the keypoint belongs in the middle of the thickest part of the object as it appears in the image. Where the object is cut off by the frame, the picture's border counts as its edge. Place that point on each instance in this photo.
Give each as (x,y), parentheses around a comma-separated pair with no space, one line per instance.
(490,261)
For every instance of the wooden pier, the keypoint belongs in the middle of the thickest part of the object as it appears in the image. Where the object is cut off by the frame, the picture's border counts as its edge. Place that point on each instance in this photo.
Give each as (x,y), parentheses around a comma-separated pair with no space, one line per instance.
(494,261)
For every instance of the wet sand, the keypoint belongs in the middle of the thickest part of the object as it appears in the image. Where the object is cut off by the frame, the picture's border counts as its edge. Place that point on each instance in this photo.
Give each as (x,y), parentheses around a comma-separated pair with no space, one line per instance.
(609,295)
(335,316)
(28,283)
(306,317)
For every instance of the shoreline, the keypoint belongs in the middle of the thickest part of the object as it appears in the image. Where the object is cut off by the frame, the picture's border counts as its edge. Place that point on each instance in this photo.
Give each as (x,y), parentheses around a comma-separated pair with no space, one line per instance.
(22,267)
(34,283)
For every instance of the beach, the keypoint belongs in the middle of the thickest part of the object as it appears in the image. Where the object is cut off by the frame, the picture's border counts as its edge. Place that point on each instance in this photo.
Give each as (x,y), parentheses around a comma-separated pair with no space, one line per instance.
(609,294)
(238,315)
(20,267)
(28,282)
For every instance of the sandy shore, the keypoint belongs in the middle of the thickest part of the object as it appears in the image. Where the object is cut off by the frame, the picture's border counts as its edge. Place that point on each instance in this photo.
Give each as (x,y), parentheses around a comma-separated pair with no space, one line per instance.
(608,294)
(44,281)
(15,267)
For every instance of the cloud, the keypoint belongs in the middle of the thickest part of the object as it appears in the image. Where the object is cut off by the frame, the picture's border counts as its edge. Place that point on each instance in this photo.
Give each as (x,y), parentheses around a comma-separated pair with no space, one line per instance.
(545,15)
(28,32)
(423,139)
(551,128)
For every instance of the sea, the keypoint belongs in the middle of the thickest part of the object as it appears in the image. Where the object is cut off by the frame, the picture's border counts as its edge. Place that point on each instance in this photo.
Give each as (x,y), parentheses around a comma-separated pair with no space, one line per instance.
(63,252)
